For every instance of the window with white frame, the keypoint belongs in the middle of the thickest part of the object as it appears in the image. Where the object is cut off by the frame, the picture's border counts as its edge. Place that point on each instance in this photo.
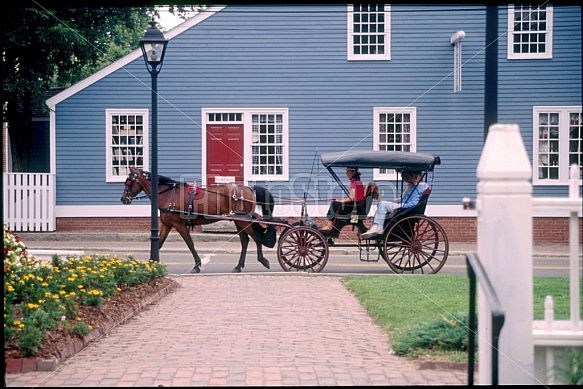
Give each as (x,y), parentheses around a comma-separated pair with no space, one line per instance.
(369,28)
(266,154)
(126,141)
(395,129)
(557,139)
(268,146)
(530,31)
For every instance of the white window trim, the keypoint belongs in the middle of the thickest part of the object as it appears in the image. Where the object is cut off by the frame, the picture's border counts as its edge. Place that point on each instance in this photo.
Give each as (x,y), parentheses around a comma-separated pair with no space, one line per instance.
(247,142)
(368,57)
(563,144)
(548,54)
(108,134)
(412,111)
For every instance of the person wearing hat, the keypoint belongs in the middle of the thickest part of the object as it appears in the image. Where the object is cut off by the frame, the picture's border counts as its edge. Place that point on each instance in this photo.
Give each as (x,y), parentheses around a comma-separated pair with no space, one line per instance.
(410,198)
(345,205)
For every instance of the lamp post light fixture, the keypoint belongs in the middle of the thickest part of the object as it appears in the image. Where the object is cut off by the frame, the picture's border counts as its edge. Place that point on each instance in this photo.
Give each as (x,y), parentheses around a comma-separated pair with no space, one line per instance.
(153,46)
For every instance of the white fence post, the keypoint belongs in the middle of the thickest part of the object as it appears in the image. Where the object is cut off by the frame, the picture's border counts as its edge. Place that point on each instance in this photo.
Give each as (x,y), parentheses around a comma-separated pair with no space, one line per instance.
(504,227)
(574,286)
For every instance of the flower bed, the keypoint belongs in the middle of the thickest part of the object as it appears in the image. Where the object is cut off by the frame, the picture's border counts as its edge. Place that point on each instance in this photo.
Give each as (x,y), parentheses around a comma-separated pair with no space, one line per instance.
(62,298)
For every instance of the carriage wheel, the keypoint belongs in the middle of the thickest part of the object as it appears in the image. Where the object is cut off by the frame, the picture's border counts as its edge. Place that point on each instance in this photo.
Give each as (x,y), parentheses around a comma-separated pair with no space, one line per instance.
(415,243)
(302,248)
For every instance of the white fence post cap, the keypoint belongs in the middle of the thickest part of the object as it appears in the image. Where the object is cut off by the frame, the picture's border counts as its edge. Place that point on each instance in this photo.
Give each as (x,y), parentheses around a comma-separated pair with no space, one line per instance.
(504,156)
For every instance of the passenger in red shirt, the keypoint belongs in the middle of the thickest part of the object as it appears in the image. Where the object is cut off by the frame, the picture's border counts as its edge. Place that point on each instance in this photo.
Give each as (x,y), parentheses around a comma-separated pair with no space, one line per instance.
(345,205)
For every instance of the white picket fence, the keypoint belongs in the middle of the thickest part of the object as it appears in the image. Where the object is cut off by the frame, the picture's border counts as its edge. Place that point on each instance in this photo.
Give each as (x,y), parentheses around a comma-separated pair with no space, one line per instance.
(29,201)
(528,348)
(552,336)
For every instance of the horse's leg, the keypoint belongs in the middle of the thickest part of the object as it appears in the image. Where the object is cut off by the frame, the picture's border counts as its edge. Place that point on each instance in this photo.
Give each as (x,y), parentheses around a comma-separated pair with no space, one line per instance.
(258,238)
(182,229)
(244,238)
(260,256)
(164,231)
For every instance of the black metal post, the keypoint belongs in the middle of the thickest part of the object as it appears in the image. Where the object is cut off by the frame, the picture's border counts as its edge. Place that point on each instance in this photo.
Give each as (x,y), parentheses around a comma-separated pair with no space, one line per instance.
(155,236)
(476,272)
(153,46)
(491,69)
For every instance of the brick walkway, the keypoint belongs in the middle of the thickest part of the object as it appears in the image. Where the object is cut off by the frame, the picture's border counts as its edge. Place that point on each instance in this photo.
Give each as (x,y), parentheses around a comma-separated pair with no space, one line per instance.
(244,330)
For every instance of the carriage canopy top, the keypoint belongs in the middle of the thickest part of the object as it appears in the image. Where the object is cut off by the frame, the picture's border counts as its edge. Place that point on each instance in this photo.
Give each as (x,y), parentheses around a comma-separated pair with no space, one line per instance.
(398,160)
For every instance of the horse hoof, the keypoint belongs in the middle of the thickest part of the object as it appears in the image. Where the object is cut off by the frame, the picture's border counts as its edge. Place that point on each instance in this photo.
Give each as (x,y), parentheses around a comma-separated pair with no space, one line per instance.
(195,269)
(237,269)
(264,262)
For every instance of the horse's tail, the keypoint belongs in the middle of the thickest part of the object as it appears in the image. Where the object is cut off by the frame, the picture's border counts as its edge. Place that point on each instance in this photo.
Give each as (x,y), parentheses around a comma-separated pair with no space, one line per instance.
(264,198)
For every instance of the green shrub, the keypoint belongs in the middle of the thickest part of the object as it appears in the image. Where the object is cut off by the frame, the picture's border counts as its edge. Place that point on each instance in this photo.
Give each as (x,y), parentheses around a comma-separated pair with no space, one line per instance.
(570,368)
(39,295)
(442,334)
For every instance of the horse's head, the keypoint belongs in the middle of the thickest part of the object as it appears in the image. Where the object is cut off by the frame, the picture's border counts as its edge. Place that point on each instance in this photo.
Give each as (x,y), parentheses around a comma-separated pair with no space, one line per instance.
(132,185)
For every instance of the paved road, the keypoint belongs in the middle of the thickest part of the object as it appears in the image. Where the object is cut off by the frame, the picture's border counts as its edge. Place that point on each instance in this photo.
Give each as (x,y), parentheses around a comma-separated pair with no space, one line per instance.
(219,253)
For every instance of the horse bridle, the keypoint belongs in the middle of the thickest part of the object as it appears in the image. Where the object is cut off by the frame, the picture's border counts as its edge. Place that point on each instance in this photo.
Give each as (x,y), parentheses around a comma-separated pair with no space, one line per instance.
(133,178)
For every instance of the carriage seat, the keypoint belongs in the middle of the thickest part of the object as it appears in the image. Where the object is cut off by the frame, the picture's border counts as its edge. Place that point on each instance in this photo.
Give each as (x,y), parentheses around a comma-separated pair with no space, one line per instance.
(418,209)
(371,192)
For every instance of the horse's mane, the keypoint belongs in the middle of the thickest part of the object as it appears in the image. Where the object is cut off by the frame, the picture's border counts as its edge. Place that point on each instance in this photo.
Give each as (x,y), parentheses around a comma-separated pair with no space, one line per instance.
(163,180)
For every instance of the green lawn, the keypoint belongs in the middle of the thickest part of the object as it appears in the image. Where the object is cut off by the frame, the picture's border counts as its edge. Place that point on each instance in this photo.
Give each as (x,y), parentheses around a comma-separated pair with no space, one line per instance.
(401,302)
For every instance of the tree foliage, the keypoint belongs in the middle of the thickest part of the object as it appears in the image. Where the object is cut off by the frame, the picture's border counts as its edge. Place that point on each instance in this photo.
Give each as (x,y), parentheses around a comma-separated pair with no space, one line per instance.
(57,47)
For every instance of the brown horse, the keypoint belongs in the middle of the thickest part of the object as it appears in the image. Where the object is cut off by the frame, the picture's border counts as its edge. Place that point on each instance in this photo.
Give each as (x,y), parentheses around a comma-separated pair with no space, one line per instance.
(182,206)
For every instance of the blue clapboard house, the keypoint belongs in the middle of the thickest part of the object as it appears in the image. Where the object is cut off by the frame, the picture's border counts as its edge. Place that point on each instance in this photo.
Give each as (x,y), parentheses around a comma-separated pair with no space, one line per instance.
(256,93)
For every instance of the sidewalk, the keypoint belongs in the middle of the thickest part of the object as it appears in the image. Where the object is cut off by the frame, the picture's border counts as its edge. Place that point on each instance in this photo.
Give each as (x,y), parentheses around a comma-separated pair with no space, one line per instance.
(238,330)
(244,330)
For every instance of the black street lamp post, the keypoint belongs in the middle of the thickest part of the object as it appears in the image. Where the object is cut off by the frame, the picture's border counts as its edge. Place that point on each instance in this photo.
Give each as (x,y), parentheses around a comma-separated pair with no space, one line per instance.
(153,46)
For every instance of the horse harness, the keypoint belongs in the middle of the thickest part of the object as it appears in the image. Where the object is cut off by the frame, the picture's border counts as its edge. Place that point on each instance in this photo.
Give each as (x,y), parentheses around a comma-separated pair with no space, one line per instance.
(194,189)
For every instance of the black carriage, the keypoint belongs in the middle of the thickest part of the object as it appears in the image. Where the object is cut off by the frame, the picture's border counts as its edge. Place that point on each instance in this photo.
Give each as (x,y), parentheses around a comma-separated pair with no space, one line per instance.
(411,242)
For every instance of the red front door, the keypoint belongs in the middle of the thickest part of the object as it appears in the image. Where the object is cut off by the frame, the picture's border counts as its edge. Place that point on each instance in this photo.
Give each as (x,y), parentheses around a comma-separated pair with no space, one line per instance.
(224,153)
